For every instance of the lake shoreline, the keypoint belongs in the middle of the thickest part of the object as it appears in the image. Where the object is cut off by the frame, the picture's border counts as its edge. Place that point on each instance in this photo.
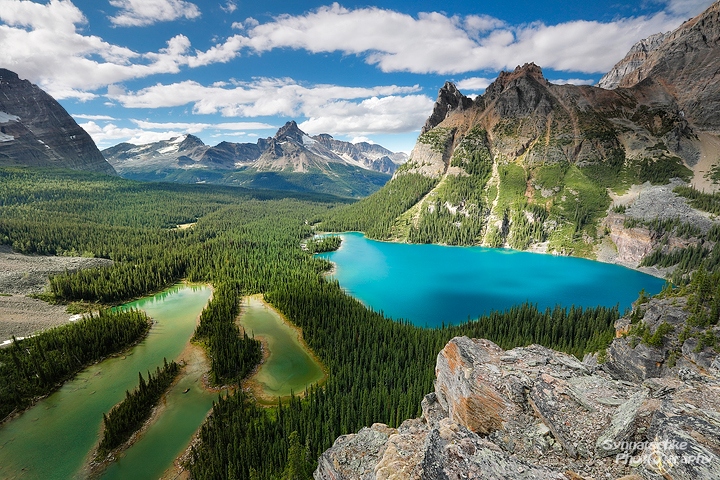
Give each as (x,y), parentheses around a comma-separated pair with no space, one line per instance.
(254,387)
(539,248)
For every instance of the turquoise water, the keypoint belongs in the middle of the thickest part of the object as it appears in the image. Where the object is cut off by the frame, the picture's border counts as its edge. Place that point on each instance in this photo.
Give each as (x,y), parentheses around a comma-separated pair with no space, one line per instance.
(53,438)
(431,284)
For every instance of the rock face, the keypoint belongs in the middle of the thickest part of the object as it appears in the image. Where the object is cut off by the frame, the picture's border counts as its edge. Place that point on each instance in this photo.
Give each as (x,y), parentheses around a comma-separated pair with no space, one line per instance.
(35,130)
(290,149)
(632,61)
(687,61)
(449,99)
(536,413)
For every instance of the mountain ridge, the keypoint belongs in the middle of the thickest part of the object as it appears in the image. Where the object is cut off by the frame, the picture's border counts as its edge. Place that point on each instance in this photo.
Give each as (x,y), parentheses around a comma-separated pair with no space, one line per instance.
(289,148)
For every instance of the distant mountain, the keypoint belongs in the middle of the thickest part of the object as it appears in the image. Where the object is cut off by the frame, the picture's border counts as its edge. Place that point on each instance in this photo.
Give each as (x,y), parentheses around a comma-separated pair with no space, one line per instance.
(35,130)
(290,160)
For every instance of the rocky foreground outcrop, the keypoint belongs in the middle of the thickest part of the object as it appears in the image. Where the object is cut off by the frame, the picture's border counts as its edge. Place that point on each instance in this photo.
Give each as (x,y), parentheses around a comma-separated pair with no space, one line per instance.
(534,413)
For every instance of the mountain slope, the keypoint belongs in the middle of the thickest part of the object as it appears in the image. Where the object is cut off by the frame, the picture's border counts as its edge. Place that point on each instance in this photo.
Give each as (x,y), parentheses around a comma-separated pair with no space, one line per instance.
(35,130)
(687,61)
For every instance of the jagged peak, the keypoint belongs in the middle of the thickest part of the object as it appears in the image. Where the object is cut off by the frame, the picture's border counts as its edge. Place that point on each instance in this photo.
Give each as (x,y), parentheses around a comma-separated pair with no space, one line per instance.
(505,78)
(449,99)
(290,130)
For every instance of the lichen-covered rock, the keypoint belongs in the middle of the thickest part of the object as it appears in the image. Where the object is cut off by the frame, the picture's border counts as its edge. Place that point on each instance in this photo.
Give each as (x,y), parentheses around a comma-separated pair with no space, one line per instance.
(535,413)
(354,456)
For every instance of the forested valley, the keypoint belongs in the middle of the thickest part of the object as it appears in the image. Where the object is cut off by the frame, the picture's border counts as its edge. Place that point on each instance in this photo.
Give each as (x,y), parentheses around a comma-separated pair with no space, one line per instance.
(246,242)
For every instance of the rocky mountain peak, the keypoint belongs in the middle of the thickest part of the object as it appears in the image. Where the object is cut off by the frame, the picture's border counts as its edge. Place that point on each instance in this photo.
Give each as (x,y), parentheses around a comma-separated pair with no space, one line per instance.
(687,63)
(449,99)
(189,141)
(290,131)
(506,79)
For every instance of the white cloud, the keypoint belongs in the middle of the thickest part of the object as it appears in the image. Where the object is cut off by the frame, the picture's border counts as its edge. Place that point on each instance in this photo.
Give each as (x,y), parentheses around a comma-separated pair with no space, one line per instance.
(328,108)
(147,132)
(374,115)
(138,13)
(687,8)
(111,134)
(436,43)
(45,44)
(84,116)
(361,139)
(196,127)
(473,84)
(573,81)
(229,7)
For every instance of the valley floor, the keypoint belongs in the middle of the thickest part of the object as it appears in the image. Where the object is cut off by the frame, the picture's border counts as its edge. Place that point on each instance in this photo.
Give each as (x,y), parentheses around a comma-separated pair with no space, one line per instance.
(22,275)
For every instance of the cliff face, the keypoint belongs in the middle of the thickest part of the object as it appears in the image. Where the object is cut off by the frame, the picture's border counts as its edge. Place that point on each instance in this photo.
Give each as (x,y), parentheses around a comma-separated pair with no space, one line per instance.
(35,130)
(635,58)
(687,61)
(533,413)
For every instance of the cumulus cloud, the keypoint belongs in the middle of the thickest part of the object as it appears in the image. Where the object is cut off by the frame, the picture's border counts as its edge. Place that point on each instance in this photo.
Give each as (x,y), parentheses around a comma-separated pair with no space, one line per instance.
(328,108)
(197,127)
(139,13)
(473,84)
(84,116)
(687,8)
(437,43)
(229,7)
(45,43)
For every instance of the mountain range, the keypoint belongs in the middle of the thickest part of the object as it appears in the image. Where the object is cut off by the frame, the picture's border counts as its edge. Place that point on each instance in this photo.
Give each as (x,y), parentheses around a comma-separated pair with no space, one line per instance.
(290,160)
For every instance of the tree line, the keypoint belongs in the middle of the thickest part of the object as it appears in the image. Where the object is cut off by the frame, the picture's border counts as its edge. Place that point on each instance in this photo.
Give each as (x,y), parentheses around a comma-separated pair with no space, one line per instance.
(130,414)
(35,366)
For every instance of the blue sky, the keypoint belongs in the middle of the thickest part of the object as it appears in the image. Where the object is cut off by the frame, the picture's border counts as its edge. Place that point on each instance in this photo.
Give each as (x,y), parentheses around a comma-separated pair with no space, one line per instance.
(235,70)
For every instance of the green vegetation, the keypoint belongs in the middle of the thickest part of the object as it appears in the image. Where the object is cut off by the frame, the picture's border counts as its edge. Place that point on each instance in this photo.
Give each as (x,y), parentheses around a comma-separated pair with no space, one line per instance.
(703,201)
(130,414)
(714,173)
(513,183)
(376,214)
(232,355)
(249,242)
(660,170)
(437,138)
(327,243)
(35,366)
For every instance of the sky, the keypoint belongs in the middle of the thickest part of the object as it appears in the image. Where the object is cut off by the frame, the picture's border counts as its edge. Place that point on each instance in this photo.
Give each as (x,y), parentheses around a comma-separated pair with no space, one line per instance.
(141,71)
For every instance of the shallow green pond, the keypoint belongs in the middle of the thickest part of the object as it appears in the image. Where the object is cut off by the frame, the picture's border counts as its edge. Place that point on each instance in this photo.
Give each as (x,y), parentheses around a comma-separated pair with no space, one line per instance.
(54,438)
(289,367)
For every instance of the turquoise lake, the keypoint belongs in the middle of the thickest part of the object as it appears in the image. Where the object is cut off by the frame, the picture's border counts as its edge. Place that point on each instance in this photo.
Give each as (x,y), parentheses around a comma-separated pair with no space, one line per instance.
(431,284)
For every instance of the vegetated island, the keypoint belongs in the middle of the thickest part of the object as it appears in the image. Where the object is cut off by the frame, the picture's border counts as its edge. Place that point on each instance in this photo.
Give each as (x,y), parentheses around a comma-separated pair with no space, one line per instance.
(129,416)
